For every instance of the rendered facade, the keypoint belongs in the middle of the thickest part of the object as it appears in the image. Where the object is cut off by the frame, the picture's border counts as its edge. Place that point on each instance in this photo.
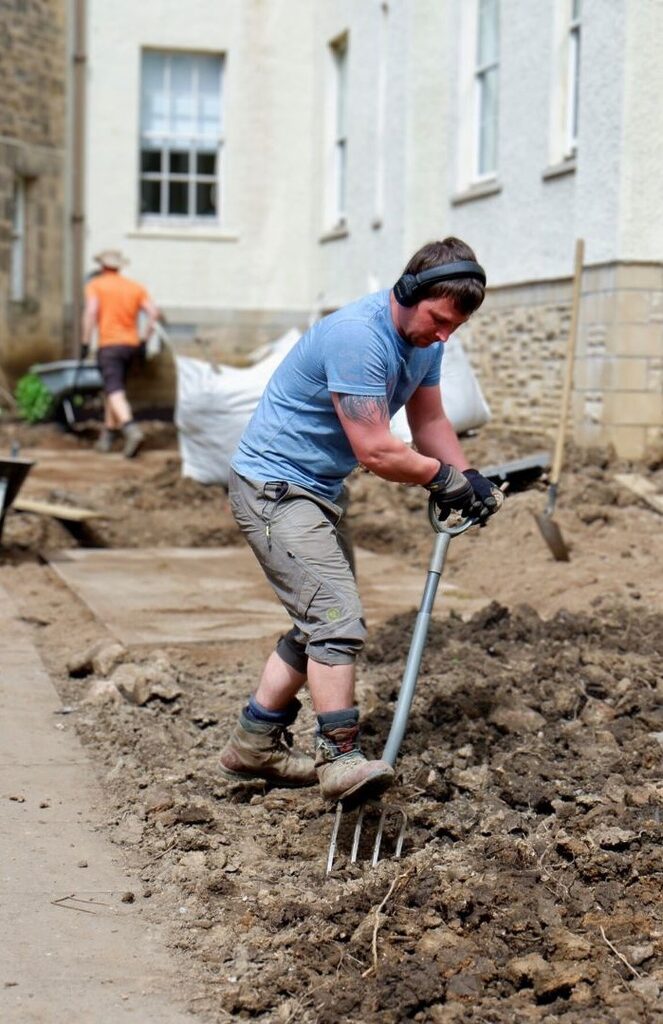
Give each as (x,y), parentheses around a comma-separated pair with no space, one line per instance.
(262,161)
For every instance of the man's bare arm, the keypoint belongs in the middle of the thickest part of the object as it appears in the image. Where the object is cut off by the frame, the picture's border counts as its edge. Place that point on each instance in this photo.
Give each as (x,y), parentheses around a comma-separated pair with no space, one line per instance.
(432,431)
(366,409)
(90,317)
(152,316)
(365,420)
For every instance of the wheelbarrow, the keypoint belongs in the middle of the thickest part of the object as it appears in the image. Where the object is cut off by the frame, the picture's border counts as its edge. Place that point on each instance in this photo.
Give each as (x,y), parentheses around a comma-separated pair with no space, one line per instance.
(408,686)
(66,380)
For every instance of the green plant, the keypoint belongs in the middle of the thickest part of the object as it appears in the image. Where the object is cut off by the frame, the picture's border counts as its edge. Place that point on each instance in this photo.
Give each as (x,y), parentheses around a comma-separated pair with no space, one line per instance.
(34,400)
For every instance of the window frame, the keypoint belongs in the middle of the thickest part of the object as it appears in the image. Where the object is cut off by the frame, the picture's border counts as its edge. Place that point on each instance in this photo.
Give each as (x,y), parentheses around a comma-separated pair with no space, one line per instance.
(482,69)
(193,144)
(381,118)
(574,52)
(339,49)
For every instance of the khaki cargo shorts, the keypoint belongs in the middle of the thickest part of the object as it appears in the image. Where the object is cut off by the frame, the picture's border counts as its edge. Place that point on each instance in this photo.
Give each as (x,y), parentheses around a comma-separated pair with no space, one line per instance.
(306,555)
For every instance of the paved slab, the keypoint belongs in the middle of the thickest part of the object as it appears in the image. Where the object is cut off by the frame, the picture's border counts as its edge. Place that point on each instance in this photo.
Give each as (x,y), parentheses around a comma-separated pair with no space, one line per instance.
(189,595)
(78,468)
(71,952)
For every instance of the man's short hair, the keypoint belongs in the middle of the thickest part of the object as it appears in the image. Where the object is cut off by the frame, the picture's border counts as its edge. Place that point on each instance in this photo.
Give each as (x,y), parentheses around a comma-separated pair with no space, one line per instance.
(466,293)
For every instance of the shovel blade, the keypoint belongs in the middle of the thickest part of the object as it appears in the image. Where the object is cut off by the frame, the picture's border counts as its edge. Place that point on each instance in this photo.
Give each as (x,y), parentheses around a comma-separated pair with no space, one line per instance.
(552,535)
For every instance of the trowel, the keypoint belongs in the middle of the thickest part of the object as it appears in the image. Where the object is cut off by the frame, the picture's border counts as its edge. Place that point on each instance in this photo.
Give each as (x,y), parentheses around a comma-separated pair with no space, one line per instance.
(550,530)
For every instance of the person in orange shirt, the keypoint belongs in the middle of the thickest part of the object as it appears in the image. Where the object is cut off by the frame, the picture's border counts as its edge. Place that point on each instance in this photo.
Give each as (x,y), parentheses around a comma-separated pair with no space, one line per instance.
(112,306)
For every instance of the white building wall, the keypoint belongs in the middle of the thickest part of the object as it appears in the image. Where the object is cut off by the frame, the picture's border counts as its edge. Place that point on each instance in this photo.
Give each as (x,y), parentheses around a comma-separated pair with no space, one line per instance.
(253,259)
(641,195)
(427,141)
(601,154)
(526,230)
(368,253)
(276,257)
(408,144)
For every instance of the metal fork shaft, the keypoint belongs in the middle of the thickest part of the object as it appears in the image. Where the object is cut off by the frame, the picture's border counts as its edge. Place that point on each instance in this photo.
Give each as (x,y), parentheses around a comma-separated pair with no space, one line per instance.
(411,673)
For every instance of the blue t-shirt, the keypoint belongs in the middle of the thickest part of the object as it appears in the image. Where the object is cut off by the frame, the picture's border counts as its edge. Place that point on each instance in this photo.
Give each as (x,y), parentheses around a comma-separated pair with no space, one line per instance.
(295,434)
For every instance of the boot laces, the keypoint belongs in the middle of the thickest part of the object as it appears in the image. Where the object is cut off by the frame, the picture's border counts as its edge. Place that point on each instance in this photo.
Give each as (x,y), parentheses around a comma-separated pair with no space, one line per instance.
(287,738)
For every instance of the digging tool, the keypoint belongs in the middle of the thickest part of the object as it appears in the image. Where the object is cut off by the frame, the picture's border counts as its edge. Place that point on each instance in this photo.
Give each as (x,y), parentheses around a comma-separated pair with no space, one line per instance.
(405,698)
(550,530)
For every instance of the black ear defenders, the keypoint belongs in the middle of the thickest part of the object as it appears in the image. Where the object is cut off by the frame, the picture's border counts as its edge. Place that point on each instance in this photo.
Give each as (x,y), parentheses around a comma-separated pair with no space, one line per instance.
(408,289)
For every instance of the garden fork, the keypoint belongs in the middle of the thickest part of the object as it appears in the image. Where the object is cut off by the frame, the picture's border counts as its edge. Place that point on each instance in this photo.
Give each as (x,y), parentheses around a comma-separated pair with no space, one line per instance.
(405,697)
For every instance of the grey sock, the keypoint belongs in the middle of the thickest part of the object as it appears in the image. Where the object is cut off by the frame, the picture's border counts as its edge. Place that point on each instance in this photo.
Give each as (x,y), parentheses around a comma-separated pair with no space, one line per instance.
(346,718)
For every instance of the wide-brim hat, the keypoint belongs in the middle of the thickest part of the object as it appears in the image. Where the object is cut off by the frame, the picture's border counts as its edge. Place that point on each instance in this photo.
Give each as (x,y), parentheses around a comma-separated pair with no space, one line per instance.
(111,258)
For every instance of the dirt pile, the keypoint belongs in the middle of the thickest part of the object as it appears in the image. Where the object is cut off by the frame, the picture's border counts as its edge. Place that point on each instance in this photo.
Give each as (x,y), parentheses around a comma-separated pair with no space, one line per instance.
(529,889)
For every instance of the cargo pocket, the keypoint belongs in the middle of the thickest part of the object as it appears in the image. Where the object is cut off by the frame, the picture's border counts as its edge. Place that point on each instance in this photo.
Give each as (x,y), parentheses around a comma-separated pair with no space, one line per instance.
(305,586)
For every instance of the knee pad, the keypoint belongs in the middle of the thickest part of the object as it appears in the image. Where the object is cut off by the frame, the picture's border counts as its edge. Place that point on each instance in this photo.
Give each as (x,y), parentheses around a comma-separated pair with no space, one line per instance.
(292,650)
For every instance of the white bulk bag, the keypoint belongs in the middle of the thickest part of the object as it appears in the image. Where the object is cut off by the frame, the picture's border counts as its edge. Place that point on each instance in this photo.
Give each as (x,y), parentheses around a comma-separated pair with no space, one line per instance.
(463,399)
(214,404)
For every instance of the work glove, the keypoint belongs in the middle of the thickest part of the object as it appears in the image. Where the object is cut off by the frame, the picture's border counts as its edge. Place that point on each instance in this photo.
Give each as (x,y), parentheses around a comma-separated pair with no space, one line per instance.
(488,498)
(451,491)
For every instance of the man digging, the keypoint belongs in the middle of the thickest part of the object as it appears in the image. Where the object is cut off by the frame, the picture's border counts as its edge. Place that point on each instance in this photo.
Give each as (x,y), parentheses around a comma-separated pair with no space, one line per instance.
(326,409)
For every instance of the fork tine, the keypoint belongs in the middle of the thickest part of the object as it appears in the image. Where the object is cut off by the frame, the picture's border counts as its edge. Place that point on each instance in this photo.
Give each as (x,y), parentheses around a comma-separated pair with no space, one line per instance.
(385,811)
(401,834)
(378,837)
(380,831)
(357,835)
(334,838)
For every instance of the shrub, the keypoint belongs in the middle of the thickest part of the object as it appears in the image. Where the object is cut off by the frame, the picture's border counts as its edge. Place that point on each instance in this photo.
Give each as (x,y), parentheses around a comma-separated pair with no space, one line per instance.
(34,400)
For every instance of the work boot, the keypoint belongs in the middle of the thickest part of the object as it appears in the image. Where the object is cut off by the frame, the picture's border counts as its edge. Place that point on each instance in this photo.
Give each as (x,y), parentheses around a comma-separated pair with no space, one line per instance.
(133,439)
(105,441)
(343,771)
(263,751)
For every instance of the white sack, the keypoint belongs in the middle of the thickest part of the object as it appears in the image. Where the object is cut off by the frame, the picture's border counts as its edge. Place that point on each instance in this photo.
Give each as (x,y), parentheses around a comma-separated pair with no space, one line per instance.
(214,404)
(463,399)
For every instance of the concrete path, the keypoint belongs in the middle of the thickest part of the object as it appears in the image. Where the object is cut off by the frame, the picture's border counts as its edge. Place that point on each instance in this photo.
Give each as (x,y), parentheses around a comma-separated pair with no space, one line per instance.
(71,951)
(188,595)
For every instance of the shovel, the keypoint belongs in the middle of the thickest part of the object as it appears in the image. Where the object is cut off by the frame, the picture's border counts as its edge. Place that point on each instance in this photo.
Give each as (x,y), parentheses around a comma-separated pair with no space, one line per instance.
(550,531)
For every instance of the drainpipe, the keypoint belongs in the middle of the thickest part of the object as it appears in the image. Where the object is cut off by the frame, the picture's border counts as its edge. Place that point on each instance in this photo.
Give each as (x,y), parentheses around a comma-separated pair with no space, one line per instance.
(79,61)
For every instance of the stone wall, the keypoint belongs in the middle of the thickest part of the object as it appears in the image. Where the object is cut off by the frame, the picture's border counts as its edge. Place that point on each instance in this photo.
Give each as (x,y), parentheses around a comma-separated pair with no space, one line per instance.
(618,395)
(517,345)
(32,133)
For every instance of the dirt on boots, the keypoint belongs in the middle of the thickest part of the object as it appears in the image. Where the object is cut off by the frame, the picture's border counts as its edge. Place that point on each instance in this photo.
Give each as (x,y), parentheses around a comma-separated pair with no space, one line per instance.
(344,772)
(260,751)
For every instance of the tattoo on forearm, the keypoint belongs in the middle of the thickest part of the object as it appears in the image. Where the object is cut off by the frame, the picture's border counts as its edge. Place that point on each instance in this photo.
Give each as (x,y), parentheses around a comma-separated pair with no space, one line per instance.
(365,408)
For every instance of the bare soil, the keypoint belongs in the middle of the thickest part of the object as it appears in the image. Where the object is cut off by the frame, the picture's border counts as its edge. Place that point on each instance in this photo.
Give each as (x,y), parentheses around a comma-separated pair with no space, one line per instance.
(530,883)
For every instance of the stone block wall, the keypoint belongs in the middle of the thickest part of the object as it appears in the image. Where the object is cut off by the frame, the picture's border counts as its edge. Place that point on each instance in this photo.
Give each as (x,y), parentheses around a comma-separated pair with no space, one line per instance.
(32,141)
(517,345)
(618,395)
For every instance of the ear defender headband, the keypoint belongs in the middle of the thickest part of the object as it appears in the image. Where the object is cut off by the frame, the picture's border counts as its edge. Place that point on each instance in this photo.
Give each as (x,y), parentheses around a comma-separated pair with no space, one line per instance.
(408,289)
